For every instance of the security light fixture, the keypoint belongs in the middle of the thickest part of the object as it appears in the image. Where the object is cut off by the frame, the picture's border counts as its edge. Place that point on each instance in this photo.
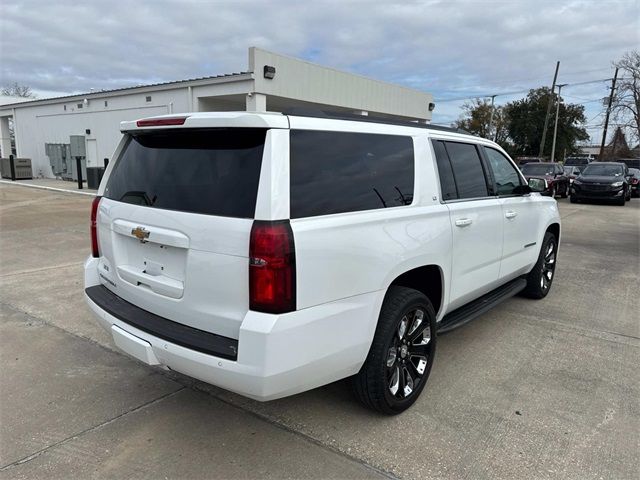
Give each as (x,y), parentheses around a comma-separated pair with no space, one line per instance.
(432,106)
(269,72)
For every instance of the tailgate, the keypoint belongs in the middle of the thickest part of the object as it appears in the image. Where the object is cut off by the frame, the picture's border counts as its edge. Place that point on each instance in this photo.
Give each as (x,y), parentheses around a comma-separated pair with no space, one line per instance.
(175,221)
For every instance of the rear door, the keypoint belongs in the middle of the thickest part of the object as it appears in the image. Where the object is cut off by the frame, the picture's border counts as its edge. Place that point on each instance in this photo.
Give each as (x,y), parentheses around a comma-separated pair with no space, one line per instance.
(175,220)
(476,221)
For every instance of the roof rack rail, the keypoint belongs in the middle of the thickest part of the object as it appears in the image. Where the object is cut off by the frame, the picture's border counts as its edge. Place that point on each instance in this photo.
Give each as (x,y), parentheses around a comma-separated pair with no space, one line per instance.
(332,115)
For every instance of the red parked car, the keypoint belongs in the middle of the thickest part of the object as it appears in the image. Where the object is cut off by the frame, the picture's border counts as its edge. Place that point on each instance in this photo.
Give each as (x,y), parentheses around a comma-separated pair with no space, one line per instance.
(552,173)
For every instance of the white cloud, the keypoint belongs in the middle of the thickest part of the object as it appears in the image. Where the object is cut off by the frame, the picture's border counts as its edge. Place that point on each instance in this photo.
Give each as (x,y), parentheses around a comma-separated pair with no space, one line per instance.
(450,48)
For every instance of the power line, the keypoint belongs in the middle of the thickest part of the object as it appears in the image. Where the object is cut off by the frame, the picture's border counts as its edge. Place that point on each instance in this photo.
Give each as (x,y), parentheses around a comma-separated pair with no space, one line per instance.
(577,84)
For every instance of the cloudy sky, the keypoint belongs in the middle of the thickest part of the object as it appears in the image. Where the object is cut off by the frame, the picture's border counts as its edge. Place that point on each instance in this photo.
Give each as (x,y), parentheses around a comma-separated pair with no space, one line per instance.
(453,49)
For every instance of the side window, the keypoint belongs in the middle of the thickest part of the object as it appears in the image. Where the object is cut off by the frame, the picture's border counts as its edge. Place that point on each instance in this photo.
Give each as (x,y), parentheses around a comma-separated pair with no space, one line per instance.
(337,172)
(467,170)
(447,182)
(504,173)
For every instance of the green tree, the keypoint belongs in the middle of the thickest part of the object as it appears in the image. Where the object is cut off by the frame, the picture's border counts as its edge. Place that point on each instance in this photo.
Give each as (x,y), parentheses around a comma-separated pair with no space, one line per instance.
(526,123)
(476,119)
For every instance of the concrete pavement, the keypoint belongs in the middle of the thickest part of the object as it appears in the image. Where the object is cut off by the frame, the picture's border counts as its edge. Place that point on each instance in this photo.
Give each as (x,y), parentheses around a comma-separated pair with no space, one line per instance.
(533,389)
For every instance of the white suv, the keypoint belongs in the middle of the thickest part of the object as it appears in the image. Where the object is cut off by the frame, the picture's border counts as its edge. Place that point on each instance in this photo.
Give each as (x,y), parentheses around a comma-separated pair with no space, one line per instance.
(270,254)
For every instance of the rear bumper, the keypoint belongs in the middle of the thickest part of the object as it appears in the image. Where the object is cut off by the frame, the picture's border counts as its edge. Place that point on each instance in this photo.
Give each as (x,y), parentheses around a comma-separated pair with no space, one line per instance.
(277,355)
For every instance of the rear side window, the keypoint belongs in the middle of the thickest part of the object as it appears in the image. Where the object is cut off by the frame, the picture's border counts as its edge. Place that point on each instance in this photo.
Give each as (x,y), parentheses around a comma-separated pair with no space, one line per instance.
(447,181)
(213,172)
(467,170)
(337,172)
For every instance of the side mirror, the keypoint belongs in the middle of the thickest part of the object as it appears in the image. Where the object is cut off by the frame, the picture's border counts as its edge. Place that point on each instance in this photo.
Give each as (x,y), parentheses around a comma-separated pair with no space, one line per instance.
(536,185)
(522,190)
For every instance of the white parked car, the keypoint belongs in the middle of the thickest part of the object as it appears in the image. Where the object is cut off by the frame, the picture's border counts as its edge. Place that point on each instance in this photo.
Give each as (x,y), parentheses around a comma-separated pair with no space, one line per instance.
(270,254)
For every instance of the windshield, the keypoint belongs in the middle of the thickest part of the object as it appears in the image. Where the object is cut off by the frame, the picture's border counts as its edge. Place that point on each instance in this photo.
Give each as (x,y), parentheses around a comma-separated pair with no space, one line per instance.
(603,170)
(537,169)
(576,161)
(214,172)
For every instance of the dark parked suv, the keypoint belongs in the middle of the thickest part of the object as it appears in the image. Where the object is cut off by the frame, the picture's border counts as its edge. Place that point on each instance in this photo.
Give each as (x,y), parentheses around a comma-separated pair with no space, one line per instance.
(602,181)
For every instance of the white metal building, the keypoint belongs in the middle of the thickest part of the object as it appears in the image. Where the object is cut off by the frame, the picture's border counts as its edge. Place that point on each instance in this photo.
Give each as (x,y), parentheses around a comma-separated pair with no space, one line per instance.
(272,83)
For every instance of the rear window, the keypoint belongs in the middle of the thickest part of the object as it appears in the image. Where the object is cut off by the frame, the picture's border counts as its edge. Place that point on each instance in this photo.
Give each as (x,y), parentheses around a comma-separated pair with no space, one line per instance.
(337,172)
(213,172)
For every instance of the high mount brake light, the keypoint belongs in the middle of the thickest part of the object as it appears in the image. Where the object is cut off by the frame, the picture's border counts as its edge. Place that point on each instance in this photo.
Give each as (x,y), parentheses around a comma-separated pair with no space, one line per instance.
(272,267)
(93,227)
(160,122)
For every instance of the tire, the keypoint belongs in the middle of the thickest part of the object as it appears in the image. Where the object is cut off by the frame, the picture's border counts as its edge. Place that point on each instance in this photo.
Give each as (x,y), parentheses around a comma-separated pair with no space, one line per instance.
(382,382)
(622,201)
(565,192)
(541,276)
(553,192)
(573,199)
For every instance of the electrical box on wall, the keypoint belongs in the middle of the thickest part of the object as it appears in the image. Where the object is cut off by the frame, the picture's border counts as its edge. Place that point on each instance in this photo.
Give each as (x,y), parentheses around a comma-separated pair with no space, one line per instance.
(78,146)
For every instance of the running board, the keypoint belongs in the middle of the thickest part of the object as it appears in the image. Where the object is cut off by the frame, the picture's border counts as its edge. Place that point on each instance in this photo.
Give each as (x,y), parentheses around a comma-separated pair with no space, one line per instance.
(468,312)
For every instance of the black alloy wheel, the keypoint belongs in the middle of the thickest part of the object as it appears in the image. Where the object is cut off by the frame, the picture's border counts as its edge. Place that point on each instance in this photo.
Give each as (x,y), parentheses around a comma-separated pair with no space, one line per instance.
(401,354)
(408,355)
(541,276)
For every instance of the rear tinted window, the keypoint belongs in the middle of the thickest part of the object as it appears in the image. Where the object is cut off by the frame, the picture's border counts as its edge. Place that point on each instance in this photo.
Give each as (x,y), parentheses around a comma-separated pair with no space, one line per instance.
(336,172)
(447,181)
(214,172)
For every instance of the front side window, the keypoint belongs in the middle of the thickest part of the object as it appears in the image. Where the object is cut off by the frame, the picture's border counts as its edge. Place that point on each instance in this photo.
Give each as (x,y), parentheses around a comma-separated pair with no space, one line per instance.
(337,172)
(504,173)
(467,170)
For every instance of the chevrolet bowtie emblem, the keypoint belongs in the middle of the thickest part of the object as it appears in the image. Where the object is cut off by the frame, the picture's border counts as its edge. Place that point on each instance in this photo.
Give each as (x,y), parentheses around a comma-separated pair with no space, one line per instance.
(140,233)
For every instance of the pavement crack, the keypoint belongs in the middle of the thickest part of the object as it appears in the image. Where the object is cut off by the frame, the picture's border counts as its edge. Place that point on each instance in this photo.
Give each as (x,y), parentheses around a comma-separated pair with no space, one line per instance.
(41,269)
(34,455)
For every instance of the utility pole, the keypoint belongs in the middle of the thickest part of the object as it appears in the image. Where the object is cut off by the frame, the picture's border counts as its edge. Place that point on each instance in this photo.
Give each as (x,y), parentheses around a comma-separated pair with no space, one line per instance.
(546,117)
(493,137)
(555,126)
(606,120)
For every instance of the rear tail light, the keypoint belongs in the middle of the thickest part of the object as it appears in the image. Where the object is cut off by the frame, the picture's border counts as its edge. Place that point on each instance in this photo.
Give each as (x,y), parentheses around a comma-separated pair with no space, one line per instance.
(272,267)
(95,249)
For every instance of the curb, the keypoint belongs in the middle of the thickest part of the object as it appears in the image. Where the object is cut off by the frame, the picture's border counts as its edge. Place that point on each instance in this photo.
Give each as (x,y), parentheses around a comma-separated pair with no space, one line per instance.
(54,189)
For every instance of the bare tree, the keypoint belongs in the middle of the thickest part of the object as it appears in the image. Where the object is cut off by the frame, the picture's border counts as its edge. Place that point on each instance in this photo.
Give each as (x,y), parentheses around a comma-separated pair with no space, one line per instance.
(17,90)
(626,101)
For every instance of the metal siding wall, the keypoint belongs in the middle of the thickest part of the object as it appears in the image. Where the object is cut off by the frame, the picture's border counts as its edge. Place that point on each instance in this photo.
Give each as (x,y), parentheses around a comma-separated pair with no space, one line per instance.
(40,124)
(313,83)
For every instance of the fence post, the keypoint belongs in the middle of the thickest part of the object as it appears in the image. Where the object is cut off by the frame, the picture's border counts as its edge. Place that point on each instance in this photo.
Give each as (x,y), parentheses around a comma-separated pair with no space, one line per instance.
(79,171)
(12,166)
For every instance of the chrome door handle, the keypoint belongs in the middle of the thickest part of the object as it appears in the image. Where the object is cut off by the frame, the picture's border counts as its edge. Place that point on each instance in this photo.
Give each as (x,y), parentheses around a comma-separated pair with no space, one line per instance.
(511,214)
(463,222)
